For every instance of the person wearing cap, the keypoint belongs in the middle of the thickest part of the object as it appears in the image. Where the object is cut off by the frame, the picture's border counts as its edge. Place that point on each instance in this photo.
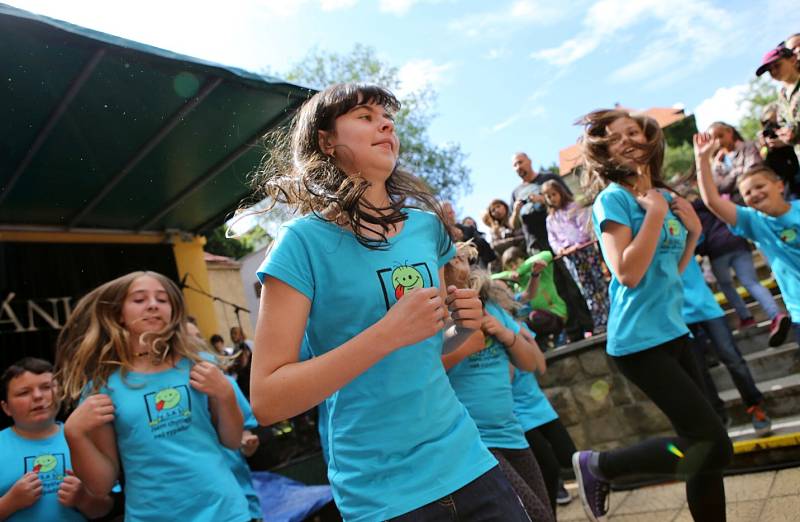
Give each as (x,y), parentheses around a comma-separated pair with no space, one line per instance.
(782,66)
(793,43)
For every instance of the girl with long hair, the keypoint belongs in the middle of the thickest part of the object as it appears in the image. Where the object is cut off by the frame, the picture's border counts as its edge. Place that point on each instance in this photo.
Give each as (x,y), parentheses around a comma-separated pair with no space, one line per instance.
(570,236)
(733,157)
(647,237)
(358,279)
(505,230)
(479,373)
(152,403)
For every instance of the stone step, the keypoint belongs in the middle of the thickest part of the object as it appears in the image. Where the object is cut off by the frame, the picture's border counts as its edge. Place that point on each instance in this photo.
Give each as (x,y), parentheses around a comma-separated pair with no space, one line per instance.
(781,399)
(765,365)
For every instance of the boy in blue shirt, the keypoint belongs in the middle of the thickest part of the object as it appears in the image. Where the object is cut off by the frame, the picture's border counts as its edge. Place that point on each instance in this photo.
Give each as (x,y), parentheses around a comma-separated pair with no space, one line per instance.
(768,220)
(36,480)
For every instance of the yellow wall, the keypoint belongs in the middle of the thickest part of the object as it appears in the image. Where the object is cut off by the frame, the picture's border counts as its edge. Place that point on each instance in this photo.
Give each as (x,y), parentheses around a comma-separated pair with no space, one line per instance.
(188,250)
(226,283)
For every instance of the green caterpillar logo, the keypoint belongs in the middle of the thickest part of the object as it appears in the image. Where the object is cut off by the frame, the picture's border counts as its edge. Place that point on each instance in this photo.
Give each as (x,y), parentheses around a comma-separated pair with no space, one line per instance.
(406,278)
(44,463)
(789,235)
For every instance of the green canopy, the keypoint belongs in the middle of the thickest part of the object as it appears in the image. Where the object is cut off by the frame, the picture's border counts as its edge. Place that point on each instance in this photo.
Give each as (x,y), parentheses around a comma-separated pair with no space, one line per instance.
(99,132)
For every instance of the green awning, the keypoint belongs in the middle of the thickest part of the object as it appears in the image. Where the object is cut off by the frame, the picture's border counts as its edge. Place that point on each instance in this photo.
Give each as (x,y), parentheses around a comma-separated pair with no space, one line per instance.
(99,132)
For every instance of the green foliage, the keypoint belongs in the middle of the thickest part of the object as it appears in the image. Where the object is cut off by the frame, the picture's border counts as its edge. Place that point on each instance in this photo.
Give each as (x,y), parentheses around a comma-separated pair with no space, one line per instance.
(678,161)
(760,93)
(680,132)
(441,166)
(235,247)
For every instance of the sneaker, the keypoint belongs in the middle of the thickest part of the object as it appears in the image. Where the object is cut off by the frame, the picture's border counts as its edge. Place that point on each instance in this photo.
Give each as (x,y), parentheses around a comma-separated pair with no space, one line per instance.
(744,324)
(593,491)
(778,329)
(761,421)
(562,496)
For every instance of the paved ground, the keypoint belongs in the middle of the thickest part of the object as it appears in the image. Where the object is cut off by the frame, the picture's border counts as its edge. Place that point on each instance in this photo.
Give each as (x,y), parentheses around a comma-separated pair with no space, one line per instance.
(772,496)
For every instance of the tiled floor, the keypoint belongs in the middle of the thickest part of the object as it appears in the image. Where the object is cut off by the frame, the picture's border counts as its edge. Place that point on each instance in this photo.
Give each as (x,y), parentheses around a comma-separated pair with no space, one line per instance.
(772,496)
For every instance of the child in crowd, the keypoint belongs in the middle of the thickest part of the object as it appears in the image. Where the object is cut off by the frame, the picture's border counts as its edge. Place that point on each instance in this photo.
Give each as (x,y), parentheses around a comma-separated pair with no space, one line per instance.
(358,279)
(479,373)
(733,157)
(768,220)
(505,232)
(726,251)
(706,319)
(532,281)
(36,478)
(647,237)
(152,404)
(549,440)
(570,236)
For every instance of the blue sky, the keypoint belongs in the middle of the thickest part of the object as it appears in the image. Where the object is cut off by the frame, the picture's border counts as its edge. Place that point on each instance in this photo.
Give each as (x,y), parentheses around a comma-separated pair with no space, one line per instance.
(511,75)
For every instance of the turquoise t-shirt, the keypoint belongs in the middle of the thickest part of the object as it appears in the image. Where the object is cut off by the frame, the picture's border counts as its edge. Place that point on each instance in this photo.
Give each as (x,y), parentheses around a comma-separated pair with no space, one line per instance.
(779,239)
(50,459)
(170,450)
(322,410)
(531,406)
(698,300)
(237,462)
(397,436)
(649,314)
(483,384)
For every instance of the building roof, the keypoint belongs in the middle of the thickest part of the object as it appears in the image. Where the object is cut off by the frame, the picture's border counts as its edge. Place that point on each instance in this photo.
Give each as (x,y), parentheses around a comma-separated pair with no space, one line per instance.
(102,133)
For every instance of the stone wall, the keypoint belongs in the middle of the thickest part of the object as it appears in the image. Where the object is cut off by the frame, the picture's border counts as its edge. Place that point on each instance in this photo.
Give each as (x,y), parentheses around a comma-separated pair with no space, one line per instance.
(596,403)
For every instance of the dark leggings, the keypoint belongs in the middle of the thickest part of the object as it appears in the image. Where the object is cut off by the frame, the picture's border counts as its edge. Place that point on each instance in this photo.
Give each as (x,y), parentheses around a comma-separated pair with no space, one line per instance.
(553,448)
(668,375)
(520,468)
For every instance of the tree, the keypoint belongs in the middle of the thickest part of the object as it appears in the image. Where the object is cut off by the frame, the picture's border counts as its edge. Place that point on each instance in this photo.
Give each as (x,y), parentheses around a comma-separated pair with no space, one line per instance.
(760,93)
(218,241)
(440,166)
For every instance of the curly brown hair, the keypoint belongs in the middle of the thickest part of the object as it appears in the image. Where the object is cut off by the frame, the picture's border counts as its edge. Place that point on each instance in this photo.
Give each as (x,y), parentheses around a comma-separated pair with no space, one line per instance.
(296,171)
(599,169)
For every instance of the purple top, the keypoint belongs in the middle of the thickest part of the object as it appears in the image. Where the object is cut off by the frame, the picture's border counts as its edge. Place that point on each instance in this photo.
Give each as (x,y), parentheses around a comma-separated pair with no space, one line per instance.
(569,226)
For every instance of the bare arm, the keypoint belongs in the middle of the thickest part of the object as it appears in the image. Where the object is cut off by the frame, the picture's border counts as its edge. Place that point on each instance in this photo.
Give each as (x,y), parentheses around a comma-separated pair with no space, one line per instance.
(93,444)
(73,494)
(722,208)
(629,256)
(23,494)
(520,351)
(281,387)
(541,361)
(473,344)
(685,212)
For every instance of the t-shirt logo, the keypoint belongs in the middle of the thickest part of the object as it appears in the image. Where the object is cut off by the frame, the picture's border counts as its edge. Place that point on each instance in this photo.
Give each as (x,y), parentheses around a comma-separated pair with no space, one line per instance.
(50,467)
(788,235)
(401,278)
(406,278)
(673,227)
(169,410)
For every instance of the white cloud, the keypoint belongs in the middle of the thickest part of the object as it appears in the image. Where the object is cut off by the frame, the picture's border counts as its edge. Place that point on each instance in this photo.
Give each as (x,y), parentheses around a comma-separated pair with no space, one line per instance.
(495,54)
(516,14)
(398,7)
(418,74)
(333,5)
(686,35)
(723,105)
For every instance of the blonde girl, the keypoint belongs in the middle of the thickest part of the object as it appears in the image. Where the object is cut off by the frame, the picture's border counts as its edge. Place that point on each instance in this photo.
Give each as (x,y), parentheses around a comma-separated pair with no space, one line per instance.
(151,404)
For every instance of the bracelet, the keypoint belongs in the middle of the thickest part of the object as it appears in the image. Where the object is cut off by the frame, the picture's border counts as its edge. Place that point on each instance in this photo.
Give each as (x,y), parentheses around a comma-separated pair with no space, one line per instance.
(513,341)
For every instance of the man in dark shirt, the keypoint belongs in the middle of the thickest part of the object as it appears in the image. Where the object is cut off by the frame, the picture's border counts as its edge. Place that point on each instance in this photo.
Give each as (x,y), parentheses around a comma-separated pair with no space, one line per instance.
(529,208)
(527,202)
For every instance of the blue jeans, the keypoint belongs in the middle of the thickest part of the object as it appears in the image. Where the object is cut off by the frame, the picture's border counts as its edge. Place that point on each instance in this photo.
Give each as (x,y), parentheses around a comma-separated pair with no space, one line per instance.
(487,498)
(722,341)
(742,263)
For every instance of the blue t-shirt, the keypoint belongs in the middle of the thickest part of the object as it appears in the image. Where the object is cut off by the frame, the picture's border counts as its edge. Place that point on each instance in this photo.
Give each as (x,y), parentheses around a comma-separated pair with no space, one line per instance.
(322,410)
(170,450)
(237,462)
(649,314)
(483,384)
(50,459)
(779,239)
(531,406)
(397,436)
(699,303)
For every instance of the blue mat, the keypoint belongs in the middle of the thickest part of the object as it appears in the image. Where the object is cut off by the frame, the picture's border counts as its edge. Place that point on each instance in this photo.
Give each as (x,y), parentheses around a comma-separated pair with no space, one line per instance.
(286,500)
